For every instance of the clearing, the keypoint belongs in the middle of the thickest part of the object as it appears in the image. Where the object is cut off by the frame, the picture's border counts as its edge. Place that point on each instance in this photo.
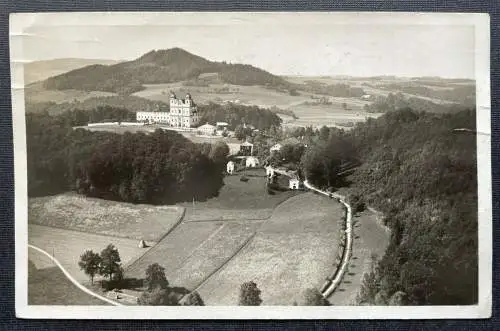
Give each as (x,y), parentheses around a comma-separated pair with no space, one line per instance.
(47,285)
(238,200)
(292,251)
(118,219)
(67,246)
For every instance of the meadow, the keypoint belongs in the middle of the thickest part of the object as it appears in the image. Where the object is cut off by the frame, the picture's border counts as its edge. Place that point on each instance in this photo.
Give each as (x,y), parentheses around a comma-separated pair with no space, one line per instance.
(118,219)
(47,285)
(67,246)
(291,251)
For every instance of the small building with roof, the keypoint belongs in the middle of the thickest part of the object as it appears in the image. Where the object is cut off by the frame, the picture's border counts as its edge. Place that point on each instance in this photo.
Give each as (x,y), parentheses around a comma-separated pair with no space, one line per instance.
(230,167)
(207,129)
(251,162)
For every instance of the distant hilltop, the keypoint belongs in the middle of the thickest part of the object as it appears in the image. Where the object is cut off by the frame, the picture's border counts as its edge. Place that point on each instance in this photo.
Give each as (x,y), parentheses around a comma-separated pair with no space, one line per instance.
(157,67)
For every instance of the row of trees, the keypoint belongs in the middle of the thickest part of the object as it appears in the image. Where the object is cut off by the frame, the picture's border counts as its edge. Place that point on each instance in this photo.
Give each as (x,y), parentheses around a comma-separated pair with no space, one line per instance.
(106,264)
(161,167)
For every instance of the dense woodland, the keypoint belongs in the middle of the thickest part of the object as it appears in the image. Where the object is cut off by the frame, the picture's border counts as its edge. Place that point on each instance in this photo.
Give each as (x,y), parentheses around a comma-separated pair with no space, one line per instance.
(423,177)
(131,103)
(158,168)
(235,115)
(392,102)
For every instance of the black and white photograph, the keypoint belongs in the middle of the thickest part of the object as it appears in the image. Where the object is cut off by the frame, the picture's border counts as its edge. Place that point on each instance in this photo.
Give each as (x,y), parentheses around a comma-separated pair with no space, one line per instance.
(311,164)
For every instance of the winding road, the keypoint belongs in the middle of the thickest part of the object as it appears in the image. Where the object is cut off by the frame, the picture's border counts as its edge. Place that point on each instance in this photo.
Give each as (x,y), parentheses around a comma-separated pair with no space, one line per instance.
(346,255)
(74,281)
(348,244)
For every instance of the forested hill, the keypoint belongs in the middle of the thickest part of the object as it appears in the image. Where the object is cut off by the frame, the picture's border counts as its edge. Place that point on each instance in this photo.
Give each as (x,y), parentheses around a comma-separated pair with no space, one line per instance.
(422,175)
(155,67)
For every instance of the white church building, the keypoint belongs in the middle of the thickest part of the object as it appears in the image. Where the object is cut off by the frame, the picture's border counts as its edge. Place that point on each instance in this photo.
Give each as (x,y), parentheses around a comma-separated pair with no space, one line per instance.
(183,113)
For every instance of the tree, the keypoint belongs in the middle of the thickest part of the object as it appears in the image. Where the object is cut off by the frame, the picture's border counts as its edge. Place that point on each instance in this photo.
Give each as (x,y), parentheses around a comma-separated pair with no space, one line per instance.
(239,132)
(324,133)
(249,294)
(110,261)
(312,297)
(158,297)
(155,276)
(193,299)
(90,263)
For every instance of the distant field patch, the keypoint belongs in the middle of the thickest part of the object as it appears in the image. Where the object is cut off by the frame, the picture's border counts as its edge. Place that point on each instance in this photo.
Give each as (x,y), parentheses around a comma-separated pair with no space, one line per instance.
(118,219)
(67,246)
(291,251)
(36,93)
(47,285)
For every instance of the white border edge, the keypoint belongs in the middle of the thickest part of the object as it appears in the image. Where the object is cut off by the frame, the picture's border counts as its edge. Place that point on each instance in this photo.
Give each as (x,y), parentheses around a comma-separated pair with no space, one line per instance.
(19,21)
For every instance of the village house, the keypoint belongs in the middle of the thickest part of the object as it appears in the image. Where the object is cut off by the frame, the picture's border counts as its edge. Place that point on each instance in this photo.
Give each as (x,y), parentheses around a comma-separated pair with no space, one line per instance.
(251,162)
(183,113)
(275,148)
(294,184)
(230,167)
(207,130)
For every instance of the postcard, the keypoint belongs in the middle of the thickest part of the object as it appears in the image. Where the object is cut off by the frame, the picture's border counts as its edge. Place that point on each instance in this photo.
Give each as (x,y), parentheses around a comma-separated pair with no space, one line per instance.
(251,165)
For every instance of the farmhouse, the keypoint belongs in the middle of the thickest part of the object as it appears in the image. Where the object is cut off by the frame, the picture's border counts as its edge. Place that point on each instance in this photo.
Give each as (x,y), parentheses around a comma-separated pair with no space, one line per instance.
(251,162)
(246,148)
(275,148)
(207,129)
(183,113)
(230,167)
(294,184)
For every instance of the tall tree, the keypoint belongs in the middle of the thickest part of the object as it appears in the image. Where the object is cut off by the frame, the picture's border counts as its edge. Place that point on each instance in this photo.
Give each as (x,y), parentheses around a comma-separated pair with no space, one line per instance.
(110,261)
(90,264)
(249,294)
(155,276)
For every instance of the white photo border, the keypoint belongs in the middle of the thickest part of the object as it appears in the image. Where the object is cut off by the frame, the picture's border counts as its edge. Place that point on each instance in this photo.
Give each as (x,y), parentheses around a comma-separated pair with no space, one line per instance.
(481,23)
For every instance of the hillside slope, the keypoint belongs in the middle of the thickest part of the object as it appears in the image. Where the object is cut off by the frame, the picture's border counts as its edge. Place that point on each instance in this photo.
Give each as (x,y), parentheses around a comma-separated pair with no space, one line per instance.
(40,70)
(155,67)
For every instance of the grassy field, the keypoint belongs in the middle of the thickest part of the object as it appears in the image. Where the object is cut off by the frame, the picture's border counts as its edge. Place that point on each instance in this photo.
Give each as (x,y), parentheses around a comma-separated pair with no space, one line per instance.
(173,250)
(291,251)
(67,246)
(370,237)
(118,219)
(47,285)
(37,93)
(239,200)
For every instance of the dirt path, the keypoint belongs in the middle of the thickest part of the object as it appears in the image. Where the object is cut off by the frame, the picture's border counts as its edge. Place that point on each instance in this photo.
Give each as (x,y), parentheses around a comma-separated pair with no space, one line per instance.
(74,281)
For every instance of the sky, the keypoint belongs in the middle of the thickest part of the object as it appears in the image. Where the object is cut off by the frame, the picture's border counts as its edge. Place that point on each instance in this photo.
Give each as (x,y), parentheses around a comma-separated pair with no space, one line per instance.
(288,44)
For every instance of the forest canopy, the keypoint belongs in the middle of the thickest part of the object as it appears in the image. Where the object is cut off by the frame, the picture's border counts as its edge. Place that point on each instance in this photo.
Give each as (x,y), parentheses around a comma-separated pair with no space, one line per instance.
(422,175)
(158,168)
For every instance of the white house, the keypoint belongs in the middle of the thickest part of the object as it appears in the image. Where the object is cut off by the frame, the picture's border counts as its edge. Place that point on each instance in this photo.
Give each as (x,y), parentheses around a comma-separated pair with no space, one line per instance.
(251,162)
(276,148)
(230,167)
(207,129)
(269,172)
(294,184)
